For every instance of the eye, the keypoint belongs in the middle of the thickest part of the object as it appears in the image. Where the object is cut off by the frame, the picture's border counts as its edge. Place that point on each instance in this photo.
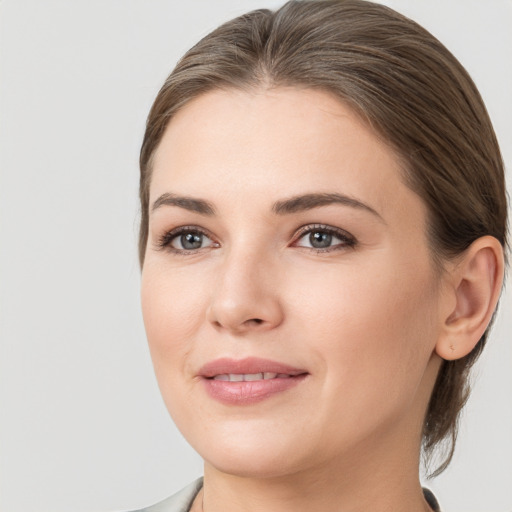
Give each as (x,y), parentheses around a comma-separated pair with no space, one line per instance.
(189,241)
(185,240)
(324,238)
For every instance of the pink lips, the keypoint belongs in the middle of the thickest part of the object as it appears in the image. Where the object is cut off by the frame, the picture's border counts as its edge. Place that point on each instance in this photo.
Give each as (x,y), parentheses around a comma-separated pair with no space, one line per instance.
(250,380)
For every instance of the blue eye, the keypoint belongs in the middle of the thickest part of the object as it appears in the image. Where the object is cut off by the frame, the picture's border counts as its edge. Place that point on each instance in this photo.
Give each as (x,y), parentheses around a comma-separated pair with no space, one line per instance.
(188,241)
(324,238)
(320,239)
(185,240)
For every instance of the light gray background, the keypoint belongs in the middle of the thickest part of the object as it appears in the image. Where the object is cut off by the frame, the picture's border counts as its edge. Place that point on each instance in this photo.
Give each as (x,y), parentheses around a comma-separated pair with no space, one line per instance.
(82,424)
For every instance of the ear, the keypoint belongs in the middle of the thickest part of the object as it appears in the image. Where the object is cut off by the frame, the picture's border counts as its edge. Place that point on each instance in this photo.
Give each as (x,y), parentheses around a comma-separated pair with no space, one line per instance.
(476,281)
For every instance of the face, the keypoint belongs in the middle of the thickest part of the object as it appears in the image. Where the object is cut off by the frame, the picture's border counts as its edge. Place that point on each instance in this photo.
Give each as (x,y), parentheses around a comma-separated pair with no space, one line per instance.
(288,293)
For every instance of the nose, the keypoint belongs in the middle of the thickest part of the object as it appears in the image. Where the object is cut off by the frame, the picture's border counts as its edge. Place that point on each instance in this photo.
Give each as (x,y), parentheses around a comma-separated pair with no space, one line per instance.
(245,297)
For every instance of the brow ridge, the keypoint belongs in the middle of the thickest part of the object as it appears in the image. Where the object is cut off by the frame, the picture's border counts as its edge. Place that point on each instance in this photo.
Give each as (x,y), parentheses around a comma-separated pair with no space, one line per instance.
(316,200)
(283,207)
(188,203)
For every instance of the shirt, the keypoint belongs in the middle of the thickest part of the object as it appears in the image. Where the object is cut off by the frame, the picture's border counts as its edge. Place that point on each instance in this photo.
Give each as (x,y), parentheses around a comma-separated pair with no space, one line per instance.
(182,500)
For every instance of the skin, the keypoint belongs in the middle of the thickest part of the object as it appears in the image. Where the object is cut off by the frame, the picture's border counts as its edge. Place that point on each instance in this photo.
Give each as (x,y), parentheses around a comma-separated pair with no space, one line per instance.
(363,318)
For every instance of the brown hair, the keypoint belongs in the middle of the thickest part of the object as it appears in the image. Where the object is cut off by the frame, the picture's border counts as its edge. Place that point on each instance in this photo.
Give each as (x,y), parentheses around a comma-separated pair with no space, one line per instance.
(407,86)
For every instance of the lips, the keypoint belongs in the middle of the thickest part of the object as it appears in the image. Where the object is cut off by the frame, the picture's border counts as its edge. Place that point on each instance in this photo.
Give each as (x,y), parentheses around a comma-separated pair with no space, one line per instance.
(247,366)
(250,377)
(250,380)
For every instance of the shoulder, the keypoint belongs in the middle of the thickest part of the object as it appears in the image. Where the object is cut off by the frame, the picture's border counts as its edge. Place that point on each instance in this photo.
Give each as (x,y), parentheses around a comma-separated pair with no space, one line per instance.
(182,500)
(179,502)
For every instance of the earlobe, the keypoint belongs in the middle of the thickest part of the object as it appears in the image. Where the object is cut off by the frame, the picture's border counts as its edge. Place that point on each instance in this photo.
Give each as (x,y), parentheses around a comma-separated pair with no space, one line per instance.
(477,280)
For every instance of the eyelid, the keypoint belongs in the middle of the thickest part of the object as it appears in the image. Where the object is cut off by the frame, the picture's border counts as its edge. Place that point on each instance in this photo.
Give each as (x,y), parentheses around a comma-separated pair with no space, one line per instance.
(347,239)
(163,242)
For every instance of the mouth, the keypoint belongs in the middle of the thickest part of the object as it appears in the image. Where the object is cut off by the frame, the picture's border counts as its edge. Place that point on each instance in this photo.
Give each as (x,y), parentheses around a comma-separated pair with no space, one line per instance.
(251,377)
(250,380)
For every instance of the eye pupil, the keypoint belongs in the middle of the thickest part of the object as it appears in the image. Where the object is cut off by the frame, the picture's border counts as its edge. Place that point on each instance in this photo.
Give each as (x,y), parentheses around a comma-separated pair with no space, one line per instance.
(191,240)
(320,239)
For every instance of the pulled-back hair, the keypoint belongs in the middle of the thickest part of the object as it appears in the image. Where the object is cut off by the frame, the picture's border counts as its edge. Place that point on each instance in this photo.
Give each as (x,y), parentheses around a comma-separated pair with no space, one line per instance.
(401,81)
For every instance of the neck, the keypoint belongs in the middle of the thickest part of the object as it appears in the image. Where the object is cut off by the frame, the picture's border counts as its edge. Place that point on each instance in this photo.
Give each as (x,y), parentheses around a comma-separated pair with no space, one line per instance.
(366,480)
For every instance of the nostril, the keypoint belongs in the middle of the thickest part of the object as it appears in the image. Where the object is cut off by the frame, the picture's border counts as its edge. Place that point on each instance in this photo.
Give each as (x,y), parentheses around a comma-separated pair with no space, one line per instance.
(256,320)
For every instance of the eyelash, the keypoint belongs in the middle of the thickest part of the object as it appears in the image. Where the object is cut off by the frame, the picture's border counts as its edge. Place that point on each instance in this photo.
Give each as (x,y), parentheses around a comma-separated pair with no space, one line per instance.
(164,242)
(348,241)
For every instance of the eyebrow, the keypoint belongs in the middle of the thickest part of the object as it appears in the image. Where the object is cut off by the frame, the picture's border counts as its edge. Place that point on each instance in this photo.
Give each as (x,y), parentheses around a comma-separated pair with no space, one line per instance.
(188,203)
(310,201)
(286,206)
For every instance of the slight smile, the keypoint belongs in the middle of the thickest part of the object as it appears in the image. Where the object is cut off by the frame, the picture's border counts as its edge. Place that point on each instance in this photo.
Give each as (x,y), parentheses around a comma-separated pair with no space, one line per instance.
(247,381)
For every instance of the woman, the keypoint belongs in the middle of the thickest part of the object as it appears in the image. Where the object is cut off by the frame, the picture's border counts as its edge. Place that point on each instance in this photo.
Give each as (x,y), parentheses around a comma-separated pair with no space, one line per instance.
(323,187)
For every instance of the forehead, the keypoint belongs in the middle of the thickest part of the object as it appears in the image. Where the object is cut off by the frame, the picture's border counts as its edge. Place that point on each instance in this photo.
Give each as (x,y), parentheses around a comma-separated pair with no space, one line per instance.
(230,144)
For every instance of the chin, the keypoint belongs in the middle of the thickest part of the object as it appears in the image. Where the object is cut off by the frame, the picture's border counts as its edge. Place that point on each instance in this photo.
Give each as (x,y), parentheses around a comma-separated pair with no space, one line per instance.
(261,466)
(248,454)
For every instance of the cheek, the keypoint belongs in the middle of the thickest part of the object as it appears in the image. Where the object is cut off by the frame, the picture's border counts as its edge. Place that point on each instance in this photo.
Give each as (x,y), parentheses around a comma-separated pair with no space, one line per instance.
(372,328)
(172,308)
(370,298)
